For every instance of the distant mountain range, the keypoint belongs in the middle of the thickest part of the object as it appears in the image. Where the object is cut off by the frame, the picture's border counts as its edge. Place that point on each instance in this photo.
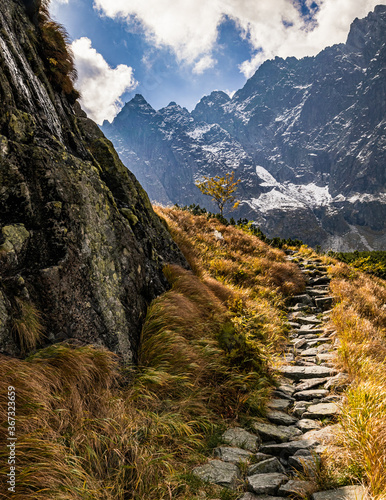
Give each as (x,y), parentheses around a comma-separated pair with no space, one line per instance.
(306,137)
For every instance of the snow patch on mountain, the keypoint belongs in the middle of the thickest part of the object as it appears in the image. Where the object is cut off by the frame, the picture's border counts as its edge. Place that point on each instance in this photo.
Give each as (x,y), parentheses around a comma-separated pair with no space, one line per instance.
(286,196)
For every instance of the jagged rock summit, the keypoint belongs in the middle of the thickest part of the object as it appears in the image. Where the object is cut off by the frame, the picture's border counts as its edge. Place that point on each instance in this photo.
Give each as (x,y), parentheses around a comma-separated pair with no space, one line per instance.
(81,249)
(306,137)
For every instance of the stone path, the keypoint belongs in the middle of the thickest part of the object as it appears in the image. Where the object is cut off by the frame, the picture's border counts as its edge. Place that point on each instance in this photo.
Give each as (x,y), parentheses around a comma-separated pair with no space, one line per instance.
(301,416)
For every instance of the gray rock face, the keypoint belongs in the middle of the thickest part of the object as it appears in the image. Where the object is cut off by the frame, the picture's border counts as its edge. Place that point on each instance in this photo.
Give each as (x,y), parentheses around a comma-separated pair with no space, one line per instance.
(242,439)
(78,235)
(217,472)
(266,484)
(308,133)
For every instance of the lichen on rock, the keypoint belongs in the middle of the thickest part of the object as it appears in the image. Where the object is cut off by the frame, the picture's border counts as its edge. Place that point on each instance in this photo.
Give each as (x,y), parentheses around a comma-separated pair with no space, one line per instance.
(80,229)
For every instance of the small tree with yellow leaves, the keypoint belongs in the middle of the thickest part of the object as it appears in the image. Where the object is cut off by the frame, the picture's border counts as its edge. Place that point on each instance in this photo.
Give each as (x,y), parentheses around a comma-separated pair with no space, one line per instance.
(221,189)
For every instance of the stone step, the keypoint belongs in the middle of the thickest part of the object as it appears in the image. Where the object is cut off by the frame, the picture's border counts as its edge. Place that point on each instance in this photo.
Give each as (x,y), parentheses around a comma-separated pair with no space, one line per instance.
(217,472)
(277,433)
(324,303)
(240,438)
(309,320)
(311,394)
(278,404)
(285,450)
(345,493)
(280,418)
(232,455)
(265,467)
(323,280)
(317,293)
(305,372)
(305,385)
(266,484)
(321,410)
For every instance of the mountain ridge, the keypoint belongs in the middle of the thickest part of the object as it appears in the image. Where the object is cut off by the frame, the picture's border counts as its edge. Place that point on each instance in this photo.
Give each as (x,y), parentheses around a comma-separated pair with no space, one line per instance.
(307,138)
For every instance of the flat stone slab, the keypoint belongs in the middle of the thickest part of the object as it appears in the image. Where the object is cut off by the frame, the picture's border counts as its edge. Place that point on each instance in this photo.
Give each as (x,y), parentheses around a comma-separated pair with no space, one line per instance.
(325,435)
(308,320)
(217,472)
(345,493)
(278,433)
(297,487)
(309,352)
(285,450)
(309,384)
(266,467)
(286,388)
(280,418)
(278,404)
(321,410)
(304,463)
(317,293)
(232,455)
(310,331)
(266,484)
(241,438)
(305,372)
(306,424)
(325,357)
(311,394)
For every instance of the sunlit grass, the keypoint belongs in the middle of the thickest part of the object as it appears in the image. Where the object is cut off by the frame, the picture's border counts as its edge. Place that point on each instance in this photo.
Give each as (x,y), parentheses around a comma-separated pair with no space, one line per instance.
(89,428)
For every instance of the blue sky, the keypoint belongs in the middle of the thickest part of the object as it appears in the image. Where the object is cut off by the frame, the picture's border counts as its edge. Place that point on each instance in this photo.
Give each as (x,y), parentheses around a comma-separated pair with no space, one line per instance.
(180,50)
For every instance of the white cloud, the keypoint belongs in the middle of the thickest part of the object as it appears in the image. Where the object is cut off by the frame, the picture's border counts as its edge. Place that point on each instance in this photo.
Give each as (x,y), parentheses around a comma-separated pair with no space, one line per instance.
(100,85)
(273,27)
(203,64)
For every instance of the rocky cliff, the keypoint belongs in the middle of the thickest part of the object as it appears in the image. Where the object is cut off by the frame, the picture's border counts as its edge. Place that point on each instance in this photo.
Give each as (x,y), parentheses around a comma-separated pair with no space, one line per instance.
(81,249)
(306,137)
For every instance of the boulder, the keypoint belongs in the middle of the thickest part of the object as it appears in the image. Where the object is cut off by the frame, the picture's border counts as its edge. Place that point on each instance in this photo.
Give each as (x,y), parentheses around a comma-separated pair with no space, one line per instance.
(266,484)
(241,438)
(218,472)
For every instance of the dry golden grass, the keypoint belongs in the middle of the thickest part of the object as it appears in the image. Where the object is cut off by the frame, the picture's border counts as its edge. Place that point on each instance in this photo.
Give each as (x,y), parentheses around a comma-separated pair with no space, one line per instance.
(238,259)
(360,320)
(90,429)
(27,325)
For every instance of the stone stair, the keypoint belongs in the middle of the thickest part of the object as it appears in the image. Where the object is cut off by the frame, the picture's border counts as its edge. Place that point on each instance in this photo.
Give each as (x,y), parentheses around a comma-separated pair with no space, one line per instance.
(302,414)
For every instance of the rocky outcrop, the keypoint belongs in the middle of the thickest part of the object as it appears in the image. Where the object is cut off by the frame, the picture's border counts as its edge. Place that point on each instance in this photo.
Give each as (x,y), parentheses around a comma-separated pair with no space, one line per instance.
(306,137)
(81,249)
